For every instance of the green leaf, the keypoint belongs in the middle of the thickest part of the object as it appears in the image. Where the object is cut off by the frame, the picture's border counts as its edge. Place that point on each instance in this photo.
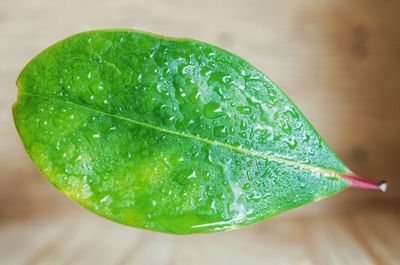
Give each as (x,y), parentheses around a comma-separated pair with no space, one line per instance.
(171,135)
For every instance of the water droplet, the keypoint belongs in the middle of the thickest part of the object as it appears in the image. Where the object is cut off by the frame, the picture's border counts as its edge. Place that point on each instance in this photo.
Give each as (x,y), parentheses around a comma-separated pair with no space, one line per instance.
(285,127)
(292,143)
(158,87)
(223,92)
(213,205)
(220,131)
(263,132)
(194,95)
(253,101)
(213,110)
(291,112)
(244,109)
(192,175)
(181,92)
(246,186)
(253,76)
(227,79)
(186,69)
(256,196)
(242,125)
(266,116)
(272,94)
(306,137)
(106,200)
(85,191)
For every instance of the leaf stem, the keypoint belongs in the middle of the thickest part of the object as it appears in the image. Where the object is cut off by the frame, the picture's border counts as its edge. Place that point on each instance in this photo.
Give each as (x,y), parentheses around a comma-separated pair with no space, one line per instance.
(366,184)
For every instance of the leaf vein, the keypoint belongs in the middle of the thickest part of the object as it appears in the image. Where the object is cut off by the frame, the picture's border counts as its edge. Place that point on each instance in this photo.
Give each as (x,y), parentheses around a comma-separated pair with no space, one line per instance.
(237,149)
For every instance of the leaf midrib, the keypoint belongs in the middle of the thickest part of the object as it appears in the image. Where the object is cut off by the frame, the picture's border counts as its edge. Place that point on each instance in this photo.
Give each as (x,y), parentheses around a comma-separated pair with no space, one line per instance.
(197,138)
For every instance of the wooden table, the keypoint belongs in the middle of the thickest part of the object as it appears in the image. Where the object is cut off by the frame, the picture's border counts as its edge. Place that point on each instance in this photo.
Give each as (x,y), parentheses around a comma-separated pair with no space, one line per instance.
(339,60)
(347,238)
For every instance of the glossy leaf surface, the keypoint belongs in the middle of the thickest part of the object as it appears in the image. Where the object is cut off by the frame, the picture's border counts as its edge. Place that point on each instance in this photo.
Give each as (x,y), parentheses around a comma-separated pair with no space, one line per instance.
(172,135)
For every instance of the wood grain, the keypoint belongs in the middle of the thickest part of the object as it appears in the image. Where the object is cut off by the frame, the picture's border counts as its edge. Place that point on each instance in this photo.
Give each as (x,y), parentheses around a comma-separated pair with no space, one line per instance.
(330,239)
(338,60)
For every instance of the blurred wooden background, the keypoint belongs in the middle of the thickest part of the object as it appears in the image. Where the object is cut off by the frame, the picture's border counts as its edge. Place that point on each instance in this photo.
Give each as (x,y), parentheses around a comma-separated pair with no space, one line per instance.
(339,60)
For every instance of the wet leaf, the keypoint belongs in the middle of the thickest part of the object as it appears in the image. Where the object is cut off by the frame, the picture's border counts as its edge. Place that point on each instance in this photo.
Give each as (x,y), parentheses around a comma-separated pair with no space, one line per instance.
(172,135)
